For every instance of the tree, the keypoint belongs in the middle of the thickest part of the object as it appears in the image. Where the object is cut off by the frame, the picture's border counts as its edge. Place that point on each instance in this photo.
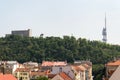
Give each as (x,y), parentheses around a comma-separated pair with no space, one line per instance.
(42,78)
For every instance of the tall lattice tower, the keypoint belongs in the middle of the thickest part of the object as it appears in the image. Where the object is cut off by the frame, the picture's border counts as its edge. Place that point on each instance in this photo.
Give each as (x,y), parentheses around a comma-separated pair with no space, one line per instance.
(104,32)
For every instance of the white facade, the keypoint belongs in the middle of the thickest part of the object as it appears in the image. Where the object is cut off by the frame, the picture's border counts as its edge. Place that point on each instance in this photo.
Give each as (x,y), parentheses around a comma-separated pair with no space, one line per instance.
(11,65)
(31,64)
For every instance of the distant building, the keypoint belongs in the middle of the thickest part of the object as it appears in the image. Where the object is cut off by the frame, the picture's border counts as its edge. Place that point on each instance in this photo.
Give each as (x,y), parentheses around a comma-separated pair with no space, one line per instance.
(8,67)
(26,33)
(83,62)
(47,65)
(5,69)
(54,63)
(22,73)
(30,64)
(83,70)
(80,70)
(35,74)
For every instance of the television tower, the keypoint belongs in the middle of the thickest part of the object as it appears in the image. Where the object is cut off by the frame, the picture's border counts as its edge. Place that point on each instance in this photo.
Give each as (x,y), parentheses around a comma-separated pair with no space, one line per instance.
(104,32)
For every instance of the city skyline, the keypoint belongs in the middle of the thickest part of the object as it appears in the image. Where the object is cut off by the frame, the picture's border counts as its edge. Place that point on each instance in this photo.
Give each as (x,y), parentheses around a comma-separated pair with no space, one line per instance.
(80,18)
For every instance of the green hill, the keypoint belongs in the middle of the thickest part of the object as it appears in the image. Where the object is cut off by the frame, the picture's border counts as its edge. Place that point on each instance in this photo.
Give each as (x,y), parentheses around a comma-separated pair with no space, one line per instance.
(55,48)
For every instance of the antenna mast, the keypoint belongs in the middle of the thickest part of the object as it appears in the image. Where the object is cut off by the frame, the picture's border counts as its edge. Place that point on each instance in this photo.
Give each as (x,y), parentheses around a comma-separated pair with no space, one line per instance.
(104,32)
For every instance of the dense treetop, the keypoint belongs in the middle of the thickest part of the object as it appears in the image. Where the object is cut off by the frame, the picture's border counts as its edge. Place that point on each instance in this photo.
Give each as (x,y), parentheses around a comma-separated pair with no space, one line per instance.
(55,48)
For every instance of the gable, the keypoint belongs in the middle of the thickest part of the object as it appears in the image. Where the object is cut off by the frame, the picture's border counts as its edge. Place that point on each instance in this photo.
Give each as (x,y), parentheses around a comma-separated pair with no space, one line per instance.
(57,77)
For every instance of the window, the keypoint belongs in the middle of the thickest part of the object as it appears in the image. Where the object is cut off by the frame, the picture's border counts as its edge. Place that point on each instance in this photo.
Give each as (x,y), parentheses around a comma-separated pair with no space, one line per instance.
(16,74)
(24,73)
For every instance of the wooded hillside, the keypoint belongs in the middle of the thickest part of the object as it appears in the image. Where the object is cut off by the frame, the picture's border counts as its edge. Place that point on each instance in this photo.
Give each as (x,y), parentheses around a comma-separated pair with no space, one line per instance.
(55,48)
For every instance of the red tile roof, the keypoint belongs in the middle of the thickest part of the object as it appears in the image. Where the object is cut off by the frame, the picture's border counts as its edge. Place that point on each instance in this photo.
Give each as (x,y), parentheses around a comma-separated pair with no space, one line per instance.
(114,63)
(7,77)
(52,63)
(38,73)
(22,70)
(65,76)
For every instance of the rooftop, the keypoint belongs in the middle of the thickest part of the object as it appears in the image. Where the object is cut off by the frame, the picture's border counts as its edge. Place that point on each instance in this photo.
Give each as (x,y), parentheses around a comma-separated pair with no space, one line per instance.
(79,68)
(22,70)
(38,73)
(7,77)
(52,63)
(65,76)
(113,63)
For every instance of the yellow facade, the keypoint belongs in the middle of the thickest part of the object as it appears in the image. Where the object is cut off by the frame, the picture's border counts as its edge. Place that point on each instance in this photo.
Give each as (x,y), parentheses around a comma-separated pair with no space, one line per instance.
(22,75)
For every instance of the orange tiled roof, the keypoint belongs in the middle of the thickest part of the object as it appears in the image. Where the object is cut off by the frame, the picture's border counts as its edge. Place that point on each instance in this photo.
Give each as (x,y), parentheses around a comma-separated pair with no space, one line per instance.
(65,76)
(114,63)
(38,73)
(52,63)
(7,77)
(22,70)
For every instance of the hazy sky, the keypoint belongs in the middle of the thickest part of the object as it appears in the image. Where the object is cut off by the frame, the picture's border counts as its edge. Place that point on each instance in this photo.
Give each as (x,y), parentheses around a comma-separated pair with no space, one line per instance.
(80,18)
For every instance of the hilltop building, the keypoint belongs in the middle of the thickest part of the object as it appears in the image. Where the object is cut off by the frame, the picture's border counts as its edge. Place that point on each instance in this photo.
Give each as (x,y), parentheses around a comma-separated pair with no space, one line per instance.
(23,33)
(26,33)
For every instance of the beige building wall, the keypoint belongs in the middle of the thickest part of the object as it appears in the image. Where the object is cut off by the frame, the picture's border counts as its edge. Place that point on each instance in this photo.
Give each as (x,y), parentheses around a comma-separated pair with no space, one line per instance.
(77,77)
(89,76)
(90,73)
(23,75)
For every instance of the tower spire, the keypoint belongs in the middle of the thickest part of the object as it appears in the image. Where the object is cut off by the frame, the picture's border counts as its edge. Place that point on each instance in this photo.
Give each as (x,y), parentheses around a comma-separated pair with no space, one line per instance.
(105,20)
(104,32)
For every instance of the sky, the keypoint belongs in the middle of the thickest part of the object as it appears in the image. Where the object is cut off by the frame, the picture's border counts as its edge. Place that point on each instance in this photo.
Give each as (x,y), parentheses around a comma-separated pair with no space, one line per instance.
(80,18)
